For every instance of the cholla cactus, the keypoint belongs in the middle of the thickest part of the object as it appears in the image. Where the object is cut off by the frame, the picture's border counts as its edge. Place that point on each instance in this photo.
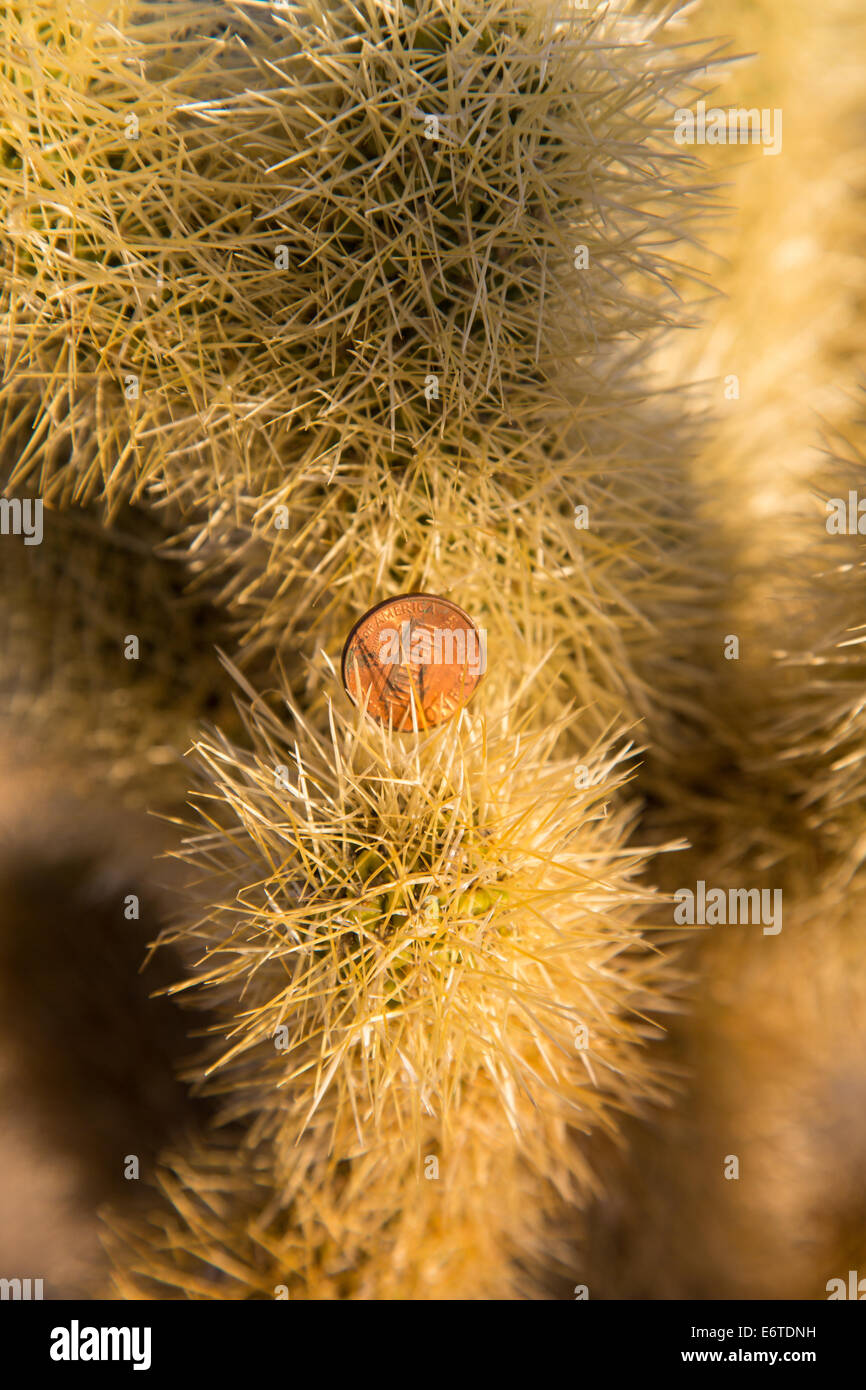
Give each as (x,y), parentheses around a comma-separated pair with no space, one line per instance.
(418,898)
(368,291)
(429,976)
(283,225)
(774,1042)
(818,719)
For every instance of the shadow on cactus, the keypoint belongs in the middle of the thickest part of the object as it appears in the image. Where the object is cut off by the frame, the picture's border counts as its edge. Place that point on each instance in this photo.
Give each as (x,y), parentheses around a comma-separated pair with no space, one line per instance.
(106,659)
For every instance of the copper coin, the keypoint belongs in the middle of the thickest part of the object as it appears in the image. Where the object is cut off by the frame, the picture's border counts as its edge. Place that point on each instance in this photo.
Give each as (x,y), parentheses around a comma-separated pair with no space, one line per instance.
(413,660)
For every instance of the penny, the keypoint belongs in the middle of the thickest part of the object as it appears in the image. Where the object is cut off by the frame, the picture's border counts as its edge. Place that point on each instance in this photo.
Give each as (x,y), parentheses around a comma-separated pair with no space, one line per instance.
(412,661)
